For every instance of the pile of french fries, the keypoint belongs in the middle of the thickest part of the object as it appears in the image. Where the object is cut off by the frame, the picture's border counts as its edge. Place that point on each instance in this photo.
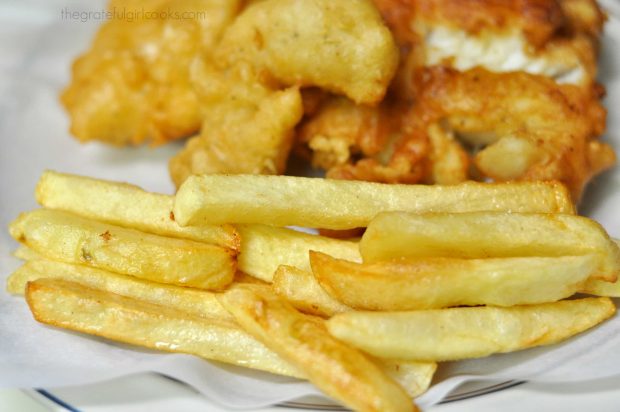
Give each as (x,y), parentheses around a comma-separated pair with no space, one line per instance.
(440,273)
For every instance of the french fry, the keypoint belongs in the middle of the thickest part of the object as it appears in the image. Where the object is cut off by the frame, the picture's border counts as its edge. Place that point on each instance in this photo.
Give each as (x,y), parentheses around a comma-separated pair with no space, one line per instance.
(340,204)
(77,307)
(151,312)
(434,283)
(117,266)
(459,333)
(73,239)
(340,371)
(125,205)
(601,288)
(195,302)
(264,248)
(25,253)
(414,377)
(489,234)
(301,290)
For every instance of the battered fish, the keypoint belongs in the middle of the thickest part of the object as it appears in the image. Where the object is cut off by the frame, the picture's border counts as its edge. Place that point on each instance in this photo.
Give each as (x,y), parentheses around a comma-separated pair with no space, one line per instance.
(355,142)
(519,126)
(250,95)
(554,38)
(340,46)
(133,85)
(466,125)
(247,128)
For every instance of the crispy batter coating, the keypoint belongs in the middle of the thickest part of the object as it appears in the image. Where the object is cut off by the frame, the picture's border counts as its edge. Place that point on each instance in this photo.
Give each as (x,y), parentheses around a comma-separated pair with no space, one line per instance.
(249,119)
(536,19)
(340,46)
(356,142)
(466,125)
(133,84)
(583,16)
(557,39)
(340,131)
(398,16)
(554,38)
(248,125)
(520,126)
(539,20)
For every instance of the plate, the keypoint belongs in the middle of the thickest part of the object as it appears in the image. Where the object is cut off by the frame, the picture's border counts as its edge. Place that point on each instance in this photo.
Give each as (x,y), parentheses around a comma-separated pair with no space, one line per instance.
(37,50)
(162,395)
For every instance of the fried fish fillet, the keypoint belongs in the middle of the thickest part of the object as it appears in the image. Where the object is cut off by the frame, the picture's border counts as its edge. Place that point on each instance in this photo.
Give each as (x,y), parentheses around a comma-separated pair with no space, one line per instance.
(519,126)
(247,125)
(521,35)
(339,130)
(356,142)
(475,124)
(515,38)
(140,82)
(249,88)
(233,74)
(342,47)
(133,84)
(553,38)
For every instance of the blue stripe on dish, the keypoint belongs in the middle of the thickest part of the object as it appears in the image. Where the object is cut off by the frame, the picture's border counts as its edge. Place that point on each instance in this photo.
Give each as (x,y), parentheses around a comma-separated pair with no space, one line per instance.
(482,391)
(303,405)
(57,400)
(453,398)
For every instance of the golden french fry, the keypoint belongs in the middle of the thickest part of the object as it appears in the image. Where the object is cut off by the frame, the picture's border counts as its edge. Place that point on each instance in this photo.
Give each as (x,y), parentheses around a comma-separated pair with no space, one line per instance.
(489,234)
(264,248)
(301,290)
(341,204)
(185,313)
(414,377)
(601,288)
(459,333)
(339,370)
(195,302)
(73,239)
(125,205)
(434,283)
(77,307)
(25,253)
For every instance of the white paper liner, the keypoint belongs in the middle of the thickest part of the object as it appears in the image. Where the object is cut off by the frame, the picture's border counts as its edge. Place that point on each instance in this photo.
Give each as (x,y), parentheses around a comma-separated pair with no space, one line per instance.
(37,50)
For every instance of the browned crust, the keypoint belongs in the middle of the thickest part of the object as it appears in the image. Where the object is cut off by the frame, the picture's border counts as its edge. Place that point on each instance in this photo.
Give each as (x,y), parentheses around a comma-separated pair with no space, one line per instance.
(563,121)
